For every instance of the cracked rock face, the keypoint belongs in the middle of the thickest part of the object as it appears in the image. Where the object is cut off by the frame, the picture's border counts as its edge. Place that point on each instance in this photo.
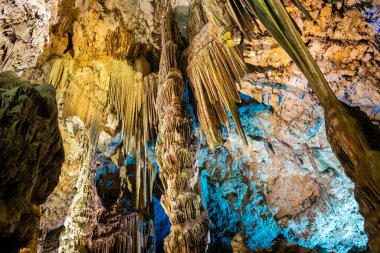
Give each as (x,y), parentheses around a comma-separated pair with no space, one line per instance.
(282,183)
(343,46)
(31,156)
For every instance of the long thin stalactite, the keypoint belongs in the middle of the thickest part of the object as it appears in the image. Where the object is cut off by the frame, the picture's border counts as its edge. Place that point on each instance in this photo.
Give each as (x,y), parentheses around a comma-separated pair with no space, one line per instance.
(214,69)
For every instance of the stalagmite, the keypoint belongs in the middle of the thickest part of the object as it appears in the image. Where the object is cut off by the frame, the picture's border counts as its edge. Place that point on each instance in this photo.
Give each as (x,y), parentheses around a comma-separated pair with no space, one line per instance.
(78,230)
(119,232)
(176,146)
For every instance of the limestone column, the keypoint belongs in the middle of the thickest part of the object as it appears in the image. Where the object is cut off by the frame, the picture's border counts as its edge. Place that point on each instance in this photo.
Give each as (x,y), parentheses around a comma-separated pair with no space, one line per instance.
(176,149)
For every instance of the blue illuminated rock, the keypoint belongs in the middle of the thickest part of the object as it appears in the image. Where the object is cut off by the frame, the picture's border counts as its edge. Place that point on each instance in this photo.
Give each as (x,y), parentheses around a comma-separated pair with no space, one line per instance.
(286,181)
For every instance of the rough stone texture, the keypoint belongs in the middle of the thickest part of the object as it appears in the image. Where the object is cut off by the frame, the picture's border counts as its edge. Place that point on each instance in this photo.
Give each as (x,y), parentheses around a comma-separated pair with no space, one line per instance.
(54,210)
(92,36)
(32,156)
(280,245)
(175,150)
(82,213)
(24,31)
(287,180)
(342,45)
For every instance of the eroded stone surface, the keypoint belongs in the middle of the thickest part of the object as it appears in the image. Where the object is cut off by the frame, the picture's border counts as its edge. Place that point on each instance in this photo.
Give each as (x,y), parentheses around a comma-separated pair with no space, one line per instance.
(287,180)
(342,45)
(24,31)
(31,156)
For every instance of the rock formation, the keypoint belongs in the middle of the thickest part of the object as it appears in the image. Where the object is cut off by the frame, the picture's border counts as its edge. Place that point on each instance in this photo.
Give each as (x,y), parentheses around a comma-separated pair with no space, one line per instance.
(134,102)
(31,157)
(247,196)
(176,146)
(214,93)
(352,136)
(24,27)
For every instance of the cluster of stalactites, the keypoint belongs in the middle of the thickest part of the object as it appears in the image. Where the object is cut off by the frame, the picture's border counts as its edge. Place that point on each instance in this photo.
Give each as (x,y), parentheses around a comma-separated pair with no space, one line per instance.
(131,91)
(135,105)
(145,174)
(215,67)
(133,98)
(123,233)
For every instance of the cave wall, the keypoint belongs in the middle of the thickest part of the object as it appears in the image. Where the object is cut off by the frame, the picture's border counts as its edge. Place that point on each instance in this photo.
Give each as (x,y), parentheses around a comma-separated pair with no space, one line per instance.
(31,157)
(284,106)
(289,184)
(24,27)
(342,42)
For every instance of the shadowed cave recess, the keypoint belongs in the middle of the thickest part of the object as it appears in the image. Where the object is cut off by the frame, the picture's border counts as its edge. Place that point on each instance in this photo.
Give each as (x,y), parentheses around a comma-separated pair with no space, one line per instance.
(189,126)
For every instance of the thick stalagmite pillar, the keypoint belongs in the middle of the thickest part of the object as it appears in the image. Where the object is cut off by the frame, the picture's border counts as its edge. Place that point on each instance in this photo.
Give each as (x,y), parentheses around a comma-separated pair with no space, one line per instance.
(176,148)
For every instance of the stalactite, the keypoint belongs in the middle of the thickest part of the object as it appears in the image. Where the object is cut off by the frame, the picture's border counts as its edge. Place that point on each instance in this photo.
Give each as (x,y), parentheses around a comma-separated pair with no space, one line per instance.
(145,175)
(176,146)
(131,95)
(119,232)
(59,72)
(78,103)
(133,98)
(353,138)
(126,94)
(213,69)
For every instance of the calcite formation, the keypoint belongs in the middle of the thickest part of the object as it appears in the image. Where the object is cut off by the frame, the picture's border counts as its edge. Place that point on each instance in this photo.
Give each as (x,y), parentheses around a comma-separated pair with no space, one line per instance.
(126,88)
(247,196)
(214,93)
(31,157)
(24,27)
(176,153)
